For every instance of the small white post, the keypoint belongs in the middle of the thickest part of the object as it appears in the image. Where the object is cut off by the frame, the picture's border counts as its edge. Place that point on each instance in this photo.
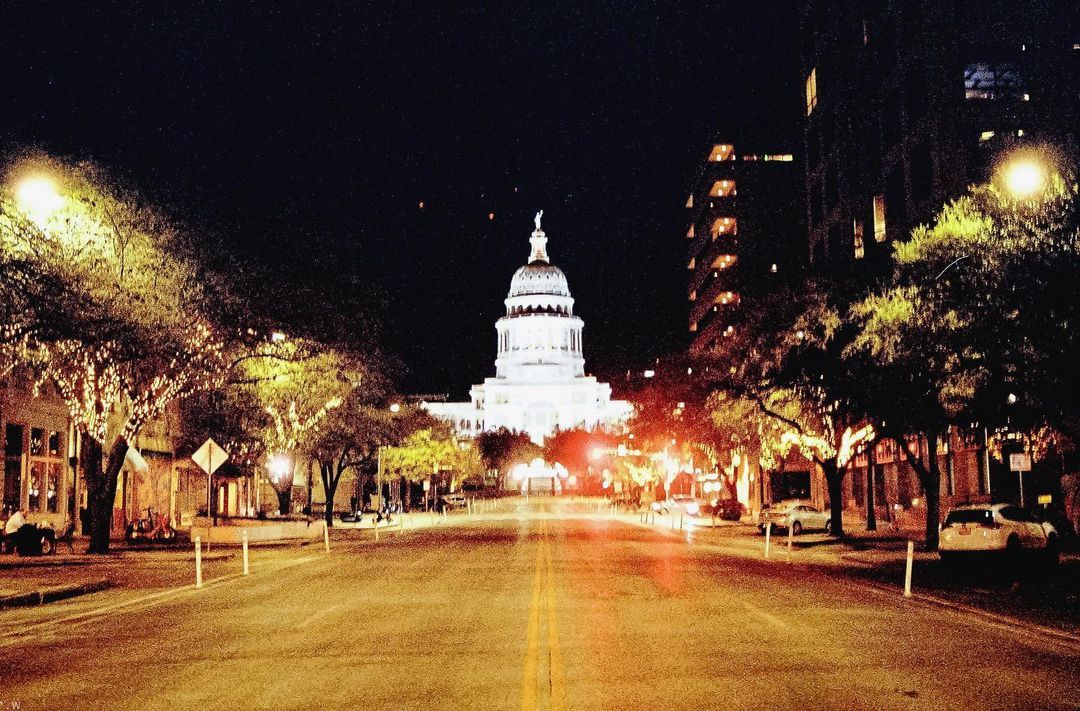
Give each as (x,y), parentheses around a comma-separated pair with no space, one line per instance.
(790,539)
(768,535)
(907,570)
(198,561)
(326,535)
(247,568)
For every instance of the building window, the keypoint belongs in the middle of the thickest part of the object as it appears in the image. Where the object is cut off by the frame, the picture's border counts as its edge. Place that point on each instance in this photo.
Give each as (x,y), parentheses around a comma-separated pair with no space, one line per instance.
(721,152)
(857,230)
(879,218)
(984,81)
(724,226)
(811,91)
(723,188)
(690,201)
(13,462)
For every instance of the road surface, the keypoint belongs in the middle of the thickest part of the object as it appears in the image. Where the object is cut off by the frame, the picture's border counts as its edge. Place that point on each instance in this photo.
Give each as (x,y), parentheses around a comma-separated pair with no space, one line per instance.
(537,608)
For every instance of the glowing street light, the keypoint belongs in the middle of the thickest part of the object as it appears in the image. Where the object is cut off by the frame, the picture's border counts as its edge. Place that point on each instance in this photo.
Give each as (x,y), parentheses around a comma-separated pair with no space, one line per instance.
(1024,177)
(38,198)
(395,408)
(280,467)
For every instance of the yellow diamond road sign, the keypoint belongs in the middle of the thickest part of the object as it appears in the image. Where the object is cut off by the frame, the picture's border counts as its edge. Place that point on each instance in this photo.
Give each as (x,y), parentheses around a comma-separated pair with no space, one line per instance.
(210,456)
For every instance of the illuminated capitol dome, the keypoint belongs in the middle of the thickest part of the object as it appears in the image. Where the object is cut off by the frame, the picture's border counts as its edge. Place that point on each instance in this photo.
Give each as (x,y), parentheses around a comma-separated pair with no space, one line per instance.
(540,383)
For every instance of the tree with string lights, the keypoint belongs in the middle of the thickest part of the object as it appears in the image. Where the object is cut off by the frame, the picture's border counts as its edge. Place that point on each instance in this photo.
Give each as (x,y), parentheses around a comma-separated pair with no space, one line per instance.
(109,310)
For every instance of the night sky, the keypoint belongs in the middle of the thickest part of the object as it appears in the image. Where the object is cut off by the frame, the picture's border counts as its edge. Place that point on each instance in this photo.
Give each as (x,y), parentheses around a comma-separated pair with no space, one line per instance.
(307,134)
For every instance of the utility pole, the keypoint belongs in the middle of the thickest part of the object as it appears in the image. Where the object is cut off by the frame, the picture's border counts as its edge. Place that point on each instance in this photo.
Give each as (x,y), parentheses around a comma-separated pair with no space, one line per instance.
(871,463)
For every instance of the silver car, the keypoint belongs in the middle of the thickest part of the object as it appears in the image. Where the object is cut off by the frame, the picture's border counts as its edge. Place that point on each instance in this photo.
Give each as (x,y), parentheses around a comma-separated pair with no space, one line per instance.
(797,515)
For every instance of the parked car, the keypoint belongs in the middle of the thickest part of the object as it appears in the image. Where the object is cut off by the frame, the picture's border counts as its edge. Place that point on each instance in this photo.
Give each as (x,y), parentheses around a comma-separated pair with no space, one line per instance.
(995,528)
(797,515)
(679,504)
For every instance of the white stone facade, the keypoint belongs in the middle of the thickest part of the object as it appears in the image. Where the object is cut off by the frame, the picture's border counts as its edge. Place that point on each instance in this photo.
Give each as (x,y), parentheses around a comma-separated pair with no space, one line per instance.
(540,383)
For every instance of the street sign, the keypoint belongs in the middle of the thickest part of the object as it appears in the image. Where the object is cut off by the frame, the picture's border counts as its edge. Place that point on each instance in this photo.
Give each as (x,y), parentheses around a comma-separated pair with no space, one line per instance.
(210,456)
(1045,498)
(427,484)
(1020,462)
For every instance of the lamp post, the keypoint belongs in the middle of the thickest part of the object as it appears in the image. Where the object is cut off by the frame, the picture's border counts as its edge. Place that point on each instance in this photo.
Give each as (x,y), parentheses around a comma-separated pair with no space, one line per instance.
(1023,177)
(38,198)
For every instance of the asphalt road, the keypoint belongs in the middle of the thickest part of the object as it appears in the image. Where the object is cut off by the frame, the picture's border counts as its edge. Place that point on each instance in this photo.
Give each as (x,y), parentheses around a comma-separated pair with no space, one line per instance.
(537,608)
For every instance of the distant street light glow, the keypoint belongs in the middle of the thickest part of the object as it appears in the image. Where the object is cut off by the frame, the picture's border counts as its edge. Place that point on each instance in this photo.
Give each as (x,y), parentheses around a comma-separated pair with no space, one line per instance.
(395,408)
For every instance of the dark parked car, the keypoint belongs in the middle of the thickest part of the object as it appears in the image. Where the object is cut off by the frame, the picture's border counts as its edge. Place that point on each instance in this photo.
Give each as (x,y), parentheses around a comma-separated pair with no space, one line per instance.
(728,509)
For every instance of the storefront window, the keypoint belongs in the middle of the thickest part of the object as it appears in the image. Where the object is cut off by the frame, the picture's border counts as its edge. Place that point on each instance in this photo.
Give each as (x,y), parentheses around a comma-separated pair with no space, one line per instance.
(54,444)
(37,484)
(13,447)
(37,442)
(52,490)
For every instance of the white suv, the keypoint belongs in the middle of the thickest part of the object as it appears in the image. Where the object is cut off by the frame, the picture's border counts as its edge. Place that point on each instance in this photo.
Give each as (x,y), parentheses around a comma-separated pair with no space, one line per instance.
(995,527)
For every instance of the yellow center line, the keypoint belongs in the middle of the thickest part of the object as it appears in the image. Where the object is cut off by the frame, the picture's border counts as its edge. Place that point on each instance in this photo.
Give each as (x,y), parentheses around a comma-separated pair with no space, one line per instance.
(555,664)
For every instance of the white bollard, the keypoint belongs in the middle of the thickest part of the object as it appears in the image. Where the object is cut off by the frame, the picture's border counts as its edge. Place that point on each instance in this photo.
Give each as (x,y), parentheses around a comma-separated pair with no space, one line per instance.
(198,561)
(907,571)
(326,535)
(768,535)
(790,538)
(247,568)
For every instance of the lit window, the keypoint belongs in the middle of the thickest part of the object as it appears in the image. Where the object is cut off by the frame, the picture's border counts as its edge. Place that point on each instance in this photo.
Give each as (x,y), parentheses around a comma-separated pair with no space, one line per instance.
(690,200)
(723,188)
(723,226)
(985,136)
(690,233)
(773,269)
(781,157)
(693,295)
(722,151)
(985,81)
(723,261)
(811,91)
(860,248)
(692,264)
(879,218)
(693,327)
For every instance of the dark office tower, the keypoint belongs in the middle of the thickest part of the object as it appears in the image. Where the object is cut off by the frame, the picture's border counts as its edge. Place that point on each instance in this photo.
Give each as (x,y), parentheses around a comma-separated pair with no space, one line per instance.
(909,101)
(745,234)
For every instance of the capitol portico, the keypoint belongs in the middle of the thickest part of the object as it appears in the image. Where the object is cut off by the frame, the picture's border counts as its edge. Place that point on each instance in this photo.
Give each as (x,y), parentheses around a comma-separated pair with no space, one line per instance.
(540,383)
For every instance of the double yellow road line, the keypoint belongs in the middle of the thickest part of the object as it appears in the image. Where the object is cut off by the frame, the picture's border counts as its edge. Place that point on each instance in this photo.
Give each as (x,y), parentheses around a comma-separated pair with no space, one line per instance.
(543,599)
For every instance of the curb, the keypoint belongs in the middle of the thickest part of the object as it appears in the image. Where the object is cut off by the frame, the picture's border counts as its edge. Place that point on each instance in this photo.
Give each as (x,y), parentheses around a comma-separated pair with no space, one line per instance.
(53,593)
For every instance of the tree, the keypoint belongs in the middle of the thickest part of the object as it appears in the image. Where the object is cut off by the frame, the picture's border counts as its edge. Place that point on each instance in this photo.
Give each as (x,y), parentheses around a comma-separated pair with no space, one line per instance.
(977,323)
(502,449)
(785,368)
(429,450)
(107,308)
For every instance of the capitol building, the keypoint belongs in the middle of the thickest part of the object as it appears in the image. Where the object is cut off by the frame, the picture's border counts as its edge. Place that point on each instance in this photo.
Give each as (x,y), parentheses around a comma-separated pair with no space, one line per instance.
(540,383)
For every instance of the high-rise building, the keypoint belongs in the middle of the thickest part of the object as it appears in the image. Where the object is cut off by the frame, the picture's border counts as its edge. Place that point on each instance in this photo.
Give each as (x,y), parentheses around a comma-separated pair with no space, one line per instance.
(909,101)
(744,231)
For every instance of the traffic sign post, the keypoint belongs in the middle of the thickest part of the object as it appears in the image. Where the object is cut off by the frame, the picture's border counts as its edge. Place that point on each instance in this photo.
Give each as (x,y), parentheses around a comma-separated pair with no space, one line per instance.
(1020,463)
(210,456)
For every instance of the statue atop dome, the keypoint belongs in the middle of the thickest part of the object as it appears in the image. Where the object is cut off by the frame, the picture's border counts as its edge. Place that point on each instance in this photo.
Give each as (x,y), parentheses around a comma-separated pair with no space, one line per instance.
(538,241)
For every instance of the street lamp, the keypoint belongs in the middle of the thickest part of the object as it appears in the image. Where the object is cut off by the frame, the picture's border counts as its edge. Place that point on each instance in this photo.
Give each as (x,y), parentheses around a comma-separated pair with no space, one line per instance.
(1024,177)
(38,198)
